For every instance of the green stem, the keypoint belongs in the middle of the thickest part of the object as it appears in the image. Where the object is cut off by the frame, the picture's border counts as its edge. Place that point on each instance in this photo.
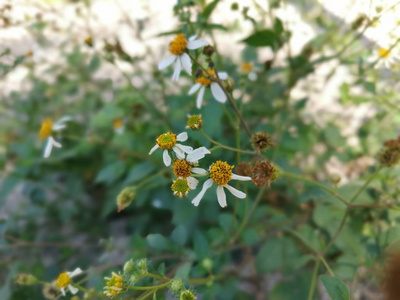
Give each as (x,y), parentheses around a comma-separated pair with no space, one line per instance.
(336,235)
(328,268)
(313,281)
(158,277)
(365,185)
(151,287)
(224,146)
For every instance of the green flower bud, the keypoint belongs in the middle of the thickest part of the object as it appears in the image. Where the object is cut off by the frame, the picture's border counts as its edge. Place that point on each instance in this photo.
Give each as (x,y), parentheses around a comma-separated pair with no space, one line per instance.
(125,197)
(129,267)
(176,286)
(142,264)
(207,264)
(26,279)
(187,295)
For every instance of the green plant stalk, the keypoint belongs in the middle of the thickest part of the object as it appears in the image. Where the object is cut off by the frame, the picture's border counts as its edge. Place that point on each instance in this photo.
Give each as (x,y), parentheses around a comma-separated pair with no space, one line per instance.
(224,146)
(365,185)
(313,281)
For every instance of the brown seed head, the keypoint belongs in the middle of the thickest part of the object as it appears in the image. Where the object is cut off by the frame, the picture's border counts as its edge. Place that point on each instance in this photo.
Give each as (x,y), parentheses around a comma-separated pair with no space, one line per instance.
(390,155)
(261,141)
(263,173)
(244,169)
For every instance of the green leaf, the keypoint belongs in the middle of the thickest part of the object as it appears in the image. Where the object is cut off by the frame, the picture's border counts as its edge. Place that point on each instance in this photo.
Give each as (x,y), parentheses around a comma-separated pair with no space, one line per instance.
(111,173)
(201,246)
(335,288)
(183,271)
(138,172)
(263,38)
(179,235)
(209,9)
(157,241)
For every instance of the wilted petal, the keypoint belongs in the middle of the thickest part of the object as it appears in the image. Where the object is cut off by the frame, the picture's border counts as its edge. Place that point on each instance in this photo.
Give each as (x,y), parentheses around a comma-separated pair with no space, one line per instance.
(166,158)
(194,88)
(192,182)
(221,196)
(200,95)
(183,136)
(235,192)
(199,171)
(153,149)
(166,62)
(177,70)
(196,44)
(218,92)
(207,184)
(241,178)
(186,63)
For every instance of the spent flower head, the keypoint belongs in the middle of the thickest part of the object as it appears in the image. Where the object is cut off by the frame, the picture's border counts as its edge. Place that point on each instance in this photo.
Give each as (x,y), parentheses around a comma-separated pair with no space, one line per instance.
(261,141)
(26,279)
(264,173)
(51,290)
(390,154)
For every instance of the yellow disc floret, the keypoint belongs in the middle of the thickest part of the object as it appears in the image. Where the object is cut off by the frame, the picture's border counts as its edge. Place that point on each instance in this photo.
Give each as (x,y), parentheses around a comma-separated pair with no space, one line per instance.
(46,129)
(63,280)
(204,80)
(178,44)
(166,140)
(221,172)
(180,187)
(114,285)
(118,123)
(195,122)
(182,168)
(246,67)
(383,53)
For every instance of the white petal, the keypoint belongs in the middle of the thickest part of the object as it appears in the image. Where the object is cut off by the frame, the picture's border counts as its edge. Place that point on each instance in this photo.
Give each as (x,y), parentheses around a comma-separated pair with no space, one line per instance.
(166,62)
(221,196)
(75,272)
(200,95)
(60,124)
(194,88)
(207,184)
(199,171)
(196,44)
(153,149)
(49,146)
(223,75)
(192,38)
(56,144)
(186,149)
(186,63)
(177,70)
(183,136)
(166,158)
(73,289)
(252,76)
(218,92)
(58,127)
(179,152)
(192,182)
(241,178)
(197,154)
(62,291)
(235,192)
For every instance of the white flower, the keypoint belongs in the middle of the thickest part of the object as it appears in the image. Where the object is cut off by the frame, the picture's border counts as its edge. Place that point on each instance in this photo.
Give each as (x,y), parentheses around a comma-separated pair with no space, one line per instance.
(221,173)
(64,281)
(48,127)
(249,69)
(168,141)
(384,57)
(203,81)
(178,48)
(119,126)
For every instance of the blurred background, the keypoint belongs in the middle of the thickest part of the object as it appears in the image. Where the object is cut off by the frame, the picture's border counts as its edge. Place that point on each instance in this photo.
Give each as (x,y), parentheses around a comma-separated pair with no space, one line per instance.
(324,85)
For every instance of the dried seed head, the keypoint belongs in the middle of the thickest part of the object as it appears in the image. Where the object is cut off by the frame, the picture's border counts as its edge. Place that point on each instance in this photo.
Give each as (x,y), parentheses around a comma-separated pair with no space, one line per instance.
(244,169)
(261,141)
(390,155)
(208,50)
(263,173)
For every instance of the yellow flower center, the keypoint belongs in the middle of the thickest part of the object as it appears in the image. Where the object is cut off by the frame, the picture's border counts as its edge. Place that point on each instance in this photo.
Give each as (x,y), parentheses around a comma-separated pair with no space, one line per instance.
(204,80)
(246,67)
(221,172)
(195,122)
(118,123)
(114,285)
(180,187)
(166,140)
(178,44)
(63,280)
(384,53)
(46,129)
(182,168)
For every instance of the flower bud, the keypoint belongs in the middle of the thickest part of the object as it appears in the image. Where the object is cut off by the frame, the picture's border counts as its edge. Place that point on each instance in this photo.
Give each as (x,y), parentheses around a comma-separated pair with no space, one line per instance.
(26,279)
(129,267)
(198,73)
(176,286)
(142,264)
(89,41)
(234,6)
(207,264)
(125,197)
(187,295)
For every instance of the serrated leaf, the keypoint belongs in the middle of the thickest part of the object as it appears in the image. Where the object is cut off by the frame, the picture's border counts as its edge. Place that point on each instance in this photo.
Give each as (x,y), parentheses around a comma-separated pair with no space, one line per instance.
(335,288)
(262,38)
